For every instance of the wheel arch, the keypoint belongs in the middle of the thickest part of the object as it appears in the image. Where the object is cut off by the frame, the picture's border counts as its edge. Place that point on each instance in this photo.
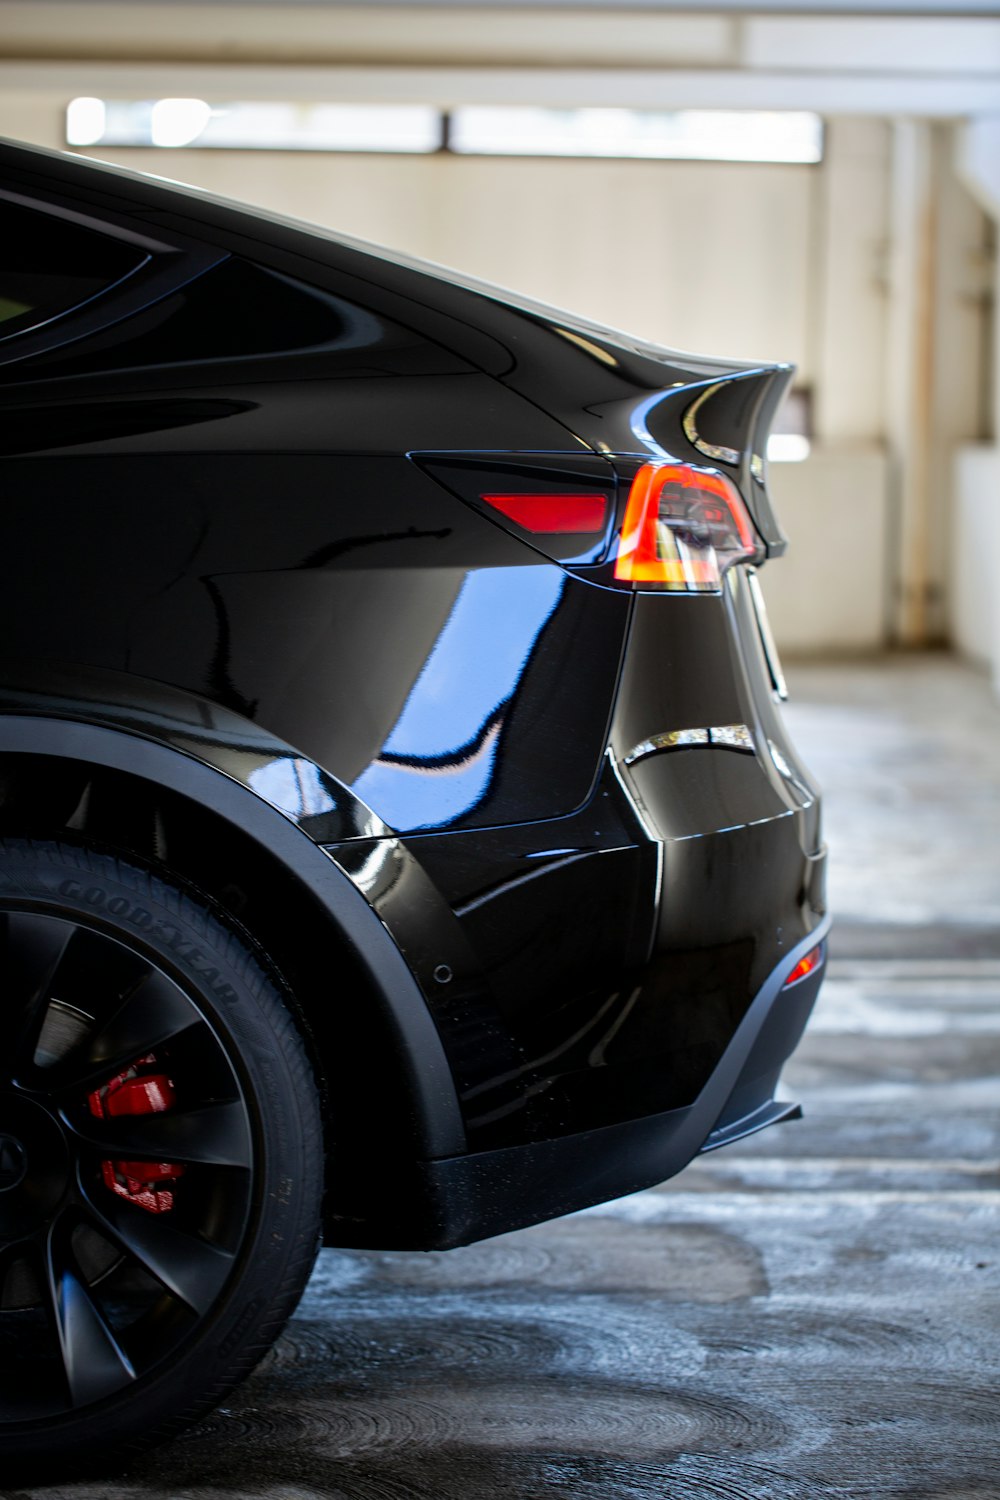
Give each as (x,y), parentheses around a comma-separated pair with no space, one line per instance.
(319,921)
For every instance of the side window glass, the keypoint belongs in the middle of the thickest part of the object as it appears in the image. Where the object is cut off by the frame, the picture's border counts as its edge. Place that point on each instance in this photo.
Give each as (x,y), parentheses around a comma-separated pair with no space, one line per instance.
(49,264)
(235,311)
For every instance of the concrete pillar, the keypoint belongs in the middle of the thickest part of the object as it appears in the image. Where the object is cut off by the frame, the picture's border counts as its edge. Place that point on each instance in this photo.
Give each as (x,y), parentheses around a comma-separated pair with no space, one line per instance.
(977,162)
(910,377)
(848,302)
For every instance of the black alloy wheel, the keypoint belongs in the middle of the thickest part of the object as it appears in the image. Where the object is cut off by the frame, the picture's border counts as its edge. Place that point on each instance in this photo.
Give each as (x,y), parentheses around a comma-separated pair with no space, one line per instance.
(161,1156)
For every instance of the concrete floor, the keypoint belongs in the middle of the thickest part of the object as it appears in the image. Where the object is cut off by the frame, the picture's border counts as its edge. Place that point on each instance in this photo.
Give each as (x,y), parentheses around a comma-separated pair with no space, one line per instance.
(815,1312)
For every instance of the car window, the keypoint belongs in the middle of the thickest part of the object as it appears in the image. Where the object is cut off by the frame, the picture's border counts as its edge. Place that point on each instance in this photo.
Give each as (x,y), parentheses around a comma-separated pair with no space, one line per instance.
(239,310)
(236,310)
(49,264)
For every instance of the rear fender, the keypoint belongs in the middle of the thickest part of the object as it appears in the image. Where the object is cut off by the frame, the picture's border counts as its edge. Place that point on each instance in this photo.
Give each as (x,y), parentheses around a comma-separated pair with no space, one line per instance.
(263,788)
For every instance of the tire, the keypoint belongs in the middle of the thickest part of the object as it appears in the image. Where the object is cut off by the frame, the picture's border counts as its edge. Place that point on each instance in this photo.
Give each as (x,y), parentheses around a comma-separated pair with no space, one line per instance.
(161,1158)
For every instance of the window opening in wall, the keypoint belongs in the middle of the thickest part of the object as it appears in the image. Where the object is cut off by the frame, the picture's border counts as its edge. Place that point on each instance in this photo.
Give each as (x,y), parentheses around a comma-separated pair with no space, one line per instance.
(479,130)
(261,126)
(685,134)
(791,432)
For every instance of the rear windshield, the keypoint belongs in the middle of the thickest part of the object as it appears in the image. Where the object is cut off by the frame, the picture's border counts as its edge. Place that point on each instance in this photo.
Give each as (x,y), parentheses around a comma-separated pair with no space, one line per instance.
(48,264)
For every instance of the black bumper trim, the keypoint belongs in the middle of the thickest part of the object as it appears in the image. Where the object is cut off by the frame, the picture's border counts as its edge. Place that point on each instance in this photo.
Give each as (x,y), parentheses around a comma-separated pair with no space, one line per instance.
(772,1113)
(457,1200)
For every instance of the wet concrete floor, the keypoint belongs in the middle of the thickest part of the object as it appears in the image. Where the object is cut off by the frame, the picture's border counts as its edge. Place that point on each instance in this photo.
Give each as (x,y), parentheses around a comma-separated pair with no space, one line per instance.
(814,1312)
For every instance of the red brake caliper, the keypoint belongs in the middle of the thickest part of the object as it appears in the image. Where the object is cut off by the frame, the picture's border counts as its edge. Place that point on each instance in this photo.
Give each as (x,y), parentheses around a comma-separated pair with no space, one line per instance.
(138,1093)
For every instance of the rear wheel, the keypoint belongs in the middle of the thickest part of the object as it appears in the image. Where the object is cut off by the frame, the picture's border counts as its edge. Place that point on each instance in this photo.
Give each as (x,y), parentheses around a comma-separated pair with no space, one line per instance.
(160,1156)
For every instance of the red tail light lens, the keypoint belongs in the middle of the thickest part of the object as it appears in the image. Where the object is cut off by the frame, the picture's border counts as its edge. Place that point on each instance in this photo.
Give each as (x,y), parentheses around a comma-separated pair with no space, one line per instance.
(581,515)
(805,966)
(684,526)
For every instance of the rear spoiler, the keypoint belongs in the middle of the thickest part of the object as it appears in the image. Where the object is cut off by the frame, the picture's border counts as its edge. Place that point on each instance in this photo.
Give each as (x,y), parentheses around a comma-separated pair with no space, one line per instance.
(727,422)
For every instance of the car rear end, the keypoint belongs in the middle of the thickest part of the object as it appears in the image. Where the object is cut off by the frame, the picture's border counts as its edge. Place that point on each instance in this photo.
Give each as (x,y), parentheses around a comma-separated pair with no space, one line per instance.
(488,575)
(669,507)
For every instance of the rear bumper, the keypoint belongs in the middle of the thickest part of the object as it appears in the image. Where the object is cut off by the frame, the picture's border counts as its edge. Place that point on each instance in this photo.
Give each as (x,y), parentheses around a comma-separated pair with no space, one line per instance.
(459,1199)
(607,986)
(589,971)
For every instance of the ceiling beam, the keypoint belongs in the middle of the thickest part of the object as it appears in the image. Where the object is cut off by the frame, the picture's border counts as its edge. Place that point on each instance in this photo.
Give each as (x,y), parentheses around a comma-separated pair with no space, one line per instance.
(950,8)
(838,92)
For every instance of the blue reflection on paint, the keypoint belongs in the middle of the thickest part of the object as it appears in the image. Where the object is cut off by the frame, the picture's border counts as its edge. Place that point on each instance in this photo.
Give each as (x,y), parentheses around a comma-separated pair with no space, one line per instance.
(438,760)
(294,785)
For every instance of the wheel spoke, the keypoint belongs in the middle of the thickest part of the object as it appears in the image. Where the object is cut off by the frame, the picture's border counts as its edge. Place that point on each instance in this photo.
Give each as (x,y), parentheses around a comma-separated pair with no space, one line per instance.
(33,948)
(188,1267)
(17,1272)
(154,1012)
(214,1135)
(94,1362)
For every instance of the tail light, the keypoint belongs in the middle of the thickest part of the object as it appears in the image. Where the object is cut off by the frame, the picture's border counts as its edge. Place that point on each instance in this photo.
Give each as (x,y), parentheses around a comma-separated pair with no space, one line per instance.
(805,966)
(683,527)
(561,504)
(553,514)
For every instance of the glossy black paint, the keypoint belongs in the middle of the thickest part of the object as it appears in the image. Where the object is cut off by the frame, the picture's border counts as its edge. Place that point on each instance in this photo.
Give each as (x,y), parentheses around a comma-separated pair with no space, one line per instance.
(243,496)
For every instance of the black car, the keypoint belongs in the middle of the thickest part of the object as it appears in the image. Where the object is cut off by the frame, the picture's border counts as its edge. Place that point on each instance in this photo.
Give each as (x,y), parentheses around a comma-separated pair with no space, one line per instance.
(400,840)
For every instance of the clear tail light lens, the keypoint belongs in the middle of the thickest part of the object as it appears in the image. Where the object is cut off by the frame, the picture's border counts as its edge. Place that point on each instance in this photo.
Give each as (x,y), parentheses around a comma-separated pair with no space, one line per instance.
(683,527)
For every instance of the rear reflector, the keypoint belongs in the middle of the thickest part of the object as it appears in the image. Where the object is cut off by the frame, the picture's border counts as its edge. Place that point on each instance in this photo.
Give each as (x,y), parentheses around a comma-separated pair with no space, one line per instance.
(684,526)
(549,514)
(805,966)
